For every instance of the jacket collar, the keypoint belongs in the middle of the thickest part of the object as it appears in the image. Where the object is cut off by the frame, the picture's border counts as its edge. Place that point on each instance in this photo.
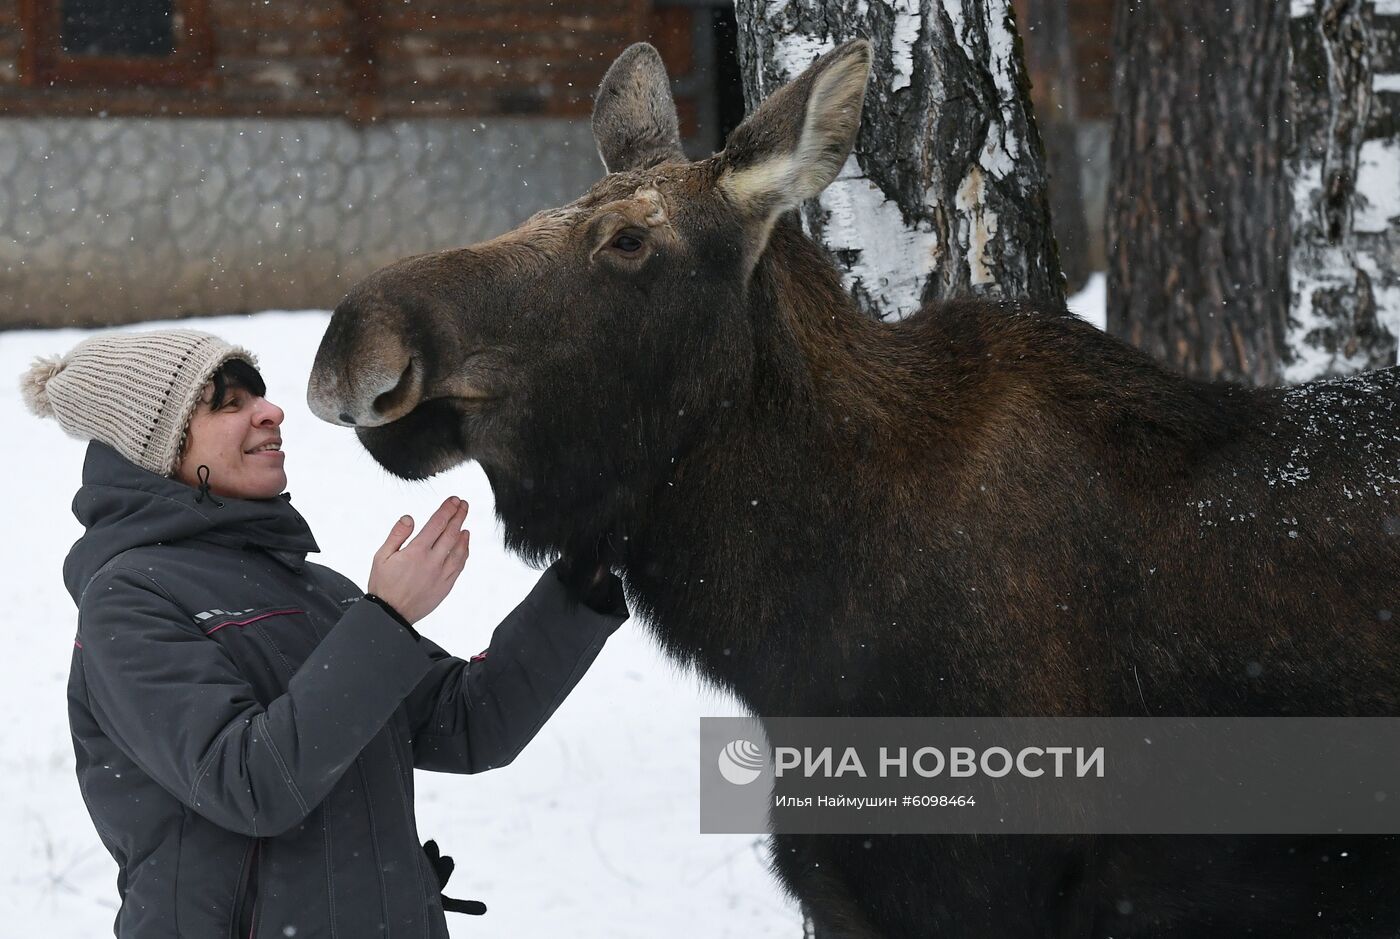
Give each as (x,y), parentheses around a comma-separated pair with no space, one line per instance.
(123,506)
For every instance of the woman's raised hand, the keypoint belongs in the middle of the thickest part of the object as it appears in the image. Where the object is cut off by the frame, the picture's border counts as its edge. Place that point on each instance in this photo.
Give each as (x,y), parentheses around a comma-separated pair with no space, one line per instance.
(415,577)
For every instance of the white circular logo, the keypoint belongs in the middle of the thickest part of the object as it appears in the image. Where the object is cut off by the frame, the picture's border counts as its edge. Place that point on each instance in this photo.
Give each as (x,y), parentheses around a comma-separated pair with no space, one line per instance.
(740,762)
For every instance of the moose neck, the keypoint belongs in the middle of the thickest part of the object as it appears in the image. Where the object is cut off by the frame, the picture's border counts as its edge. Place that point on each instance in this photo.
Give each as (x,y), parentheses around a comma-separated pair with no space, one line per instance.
(828,377)
(771,495)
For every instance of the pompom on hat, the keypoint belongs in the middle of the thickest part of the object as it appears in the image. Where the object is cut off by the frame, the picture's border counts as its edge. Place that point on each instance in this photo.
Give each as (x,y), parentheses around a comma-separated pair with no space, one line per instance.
(134,391)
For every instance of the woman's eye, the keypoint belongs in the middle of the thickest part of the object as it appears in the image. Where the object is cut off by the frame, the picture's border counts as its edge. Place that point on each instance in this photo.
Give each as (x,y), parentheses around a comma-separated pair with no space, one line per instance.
(627,243)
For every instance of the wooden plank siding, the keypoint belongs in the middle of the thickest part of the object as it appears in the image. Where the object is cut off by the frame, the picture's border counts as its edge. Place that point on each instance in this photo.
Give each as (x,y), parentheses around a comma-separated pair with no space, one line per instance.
(361,59)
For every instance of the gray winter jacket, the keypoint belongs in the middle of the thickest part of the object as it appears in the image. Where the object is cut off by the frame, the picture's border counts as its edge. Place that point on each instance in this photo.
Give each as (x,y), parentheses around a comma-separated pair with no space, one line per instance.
(246,726)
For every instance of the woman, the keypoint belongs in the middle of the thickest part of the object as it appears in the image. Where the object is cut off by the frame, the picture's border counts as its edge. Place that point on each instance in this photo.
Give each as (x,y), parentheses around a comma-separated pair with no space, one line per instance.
(246,723)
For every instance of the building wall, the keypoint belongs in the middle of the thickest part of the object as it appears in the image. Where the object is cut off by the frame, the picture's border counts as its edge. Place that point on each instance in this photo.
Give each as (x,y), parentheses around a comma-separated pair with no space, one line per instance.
(362,58)
(307,145)
(122,219)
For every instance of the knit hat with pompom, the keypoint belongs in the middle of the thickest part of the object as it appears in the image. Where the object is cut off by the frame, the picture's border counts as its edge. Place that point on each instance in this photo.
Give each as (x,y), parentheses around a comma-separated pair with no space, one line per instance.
(134,391)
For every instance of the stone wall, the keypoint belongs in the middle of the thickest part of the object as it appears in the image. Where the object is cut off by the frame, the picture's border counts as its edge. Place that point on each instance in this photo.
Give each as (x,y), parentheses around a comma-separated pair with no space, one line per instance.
(121,219)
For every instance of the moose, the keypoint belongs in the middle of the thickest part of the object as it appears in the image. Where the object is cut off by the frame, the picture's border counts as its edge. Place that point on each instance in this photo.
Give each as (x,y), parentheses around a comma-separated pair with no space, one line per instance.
(987,508)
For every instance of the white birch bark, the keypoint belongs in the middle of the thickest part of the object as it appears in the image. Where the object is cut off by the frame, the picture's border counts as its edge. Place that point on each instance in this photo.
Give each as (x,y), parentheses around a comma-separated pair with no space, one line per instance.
(1345,169)
(945,192)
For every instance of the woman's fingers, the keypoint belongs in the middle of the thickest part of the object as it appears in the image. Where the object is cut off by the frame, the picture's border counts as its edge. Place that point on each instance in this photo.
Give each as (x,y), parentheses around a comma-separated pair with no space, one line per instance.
(401,576)
(436,525)
(457,555)
(457,559)
(447,540)
(397,536)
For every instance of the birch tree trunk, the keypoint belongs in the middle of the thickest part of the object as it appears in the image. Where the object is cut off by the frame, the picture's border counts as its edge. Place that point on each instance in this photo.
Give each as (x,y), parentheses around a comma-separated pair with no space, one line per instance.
(1198,203)
(1254,209)
(945,194)
(1345,167)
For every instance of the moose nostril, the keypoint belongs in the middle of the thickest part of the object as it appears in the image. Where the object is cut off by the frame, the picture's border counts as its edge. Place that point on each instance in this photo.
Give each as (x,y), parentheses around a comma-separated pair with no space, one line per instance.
(402,392)
(345,418)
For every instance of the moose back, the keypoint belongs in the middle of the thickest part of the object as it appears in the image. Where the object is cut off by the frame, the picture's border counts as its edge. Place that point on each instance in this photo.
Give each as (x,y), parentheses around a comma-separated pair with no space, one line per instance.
(987,508)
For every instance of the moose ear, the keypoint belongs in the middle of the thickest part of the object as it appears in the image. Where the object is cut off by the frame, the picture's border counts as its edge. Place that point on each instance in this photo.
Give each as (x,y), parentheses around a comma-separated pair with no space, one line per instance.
(634,117)
(792,147)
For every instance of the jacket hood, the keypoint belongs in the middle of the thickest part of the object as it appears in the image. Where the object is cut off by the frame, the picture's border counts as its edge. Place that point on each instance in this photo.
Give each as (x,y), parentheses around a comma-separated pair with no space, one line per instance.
(123,506)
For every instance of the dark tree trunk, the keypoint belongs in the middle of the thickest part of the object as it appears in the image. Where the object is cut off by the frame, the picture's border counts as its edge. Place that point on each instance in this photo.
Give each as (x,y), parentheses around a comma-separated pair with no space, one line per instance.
(946,193)
(1345,165)
(1049,47)
(1198,216)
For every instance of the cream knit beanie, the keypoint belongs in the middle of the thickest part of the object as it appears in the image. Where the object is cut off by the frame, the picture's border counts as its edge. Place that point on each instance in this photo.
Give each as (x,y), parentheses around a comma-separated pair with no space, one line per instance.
(134,391)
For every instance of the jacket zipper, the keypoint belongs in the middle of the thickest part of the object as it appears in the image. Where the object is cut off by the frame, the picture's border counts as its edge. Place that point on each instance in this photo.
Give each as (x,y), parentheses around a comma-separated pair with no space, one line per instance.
(246,898)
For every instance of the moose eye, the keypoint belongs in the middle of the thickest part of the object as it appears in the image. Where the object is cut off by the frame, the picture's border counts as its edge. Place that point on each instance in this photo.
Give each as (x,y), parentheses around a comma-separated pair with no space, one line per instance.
(627,243)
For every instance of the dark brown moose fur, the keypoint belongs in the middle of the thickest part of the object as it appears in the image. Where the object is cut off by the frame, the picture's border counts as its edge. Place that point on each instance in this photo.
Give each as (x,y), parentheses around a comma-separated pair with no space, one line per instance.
(987,508)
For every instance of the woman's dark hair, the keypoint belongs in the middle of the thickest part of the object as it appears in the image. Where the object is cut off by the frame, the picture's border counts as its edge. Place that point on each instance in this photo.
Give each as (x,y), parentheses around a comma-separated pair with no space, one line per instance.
(235,373)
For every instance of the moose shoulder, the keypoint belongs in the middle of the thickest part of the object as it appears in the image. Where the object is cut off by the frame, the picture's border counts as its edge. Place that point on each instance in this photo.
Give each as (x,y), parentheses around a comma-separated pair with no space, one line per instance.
(986,508)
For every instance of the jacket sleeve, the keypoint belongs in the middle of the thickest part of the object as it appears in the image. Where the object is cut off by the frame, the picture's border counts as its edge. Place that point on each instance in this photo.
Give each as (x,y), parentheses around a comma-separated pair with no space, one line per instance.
(174,702)
(478,715)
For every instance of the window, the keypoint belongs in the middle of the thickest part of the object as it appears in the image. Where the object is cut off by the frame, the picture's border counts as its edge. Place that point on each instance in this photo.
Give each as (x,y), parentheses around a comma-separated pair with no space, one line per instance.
(103,28)
(114,42)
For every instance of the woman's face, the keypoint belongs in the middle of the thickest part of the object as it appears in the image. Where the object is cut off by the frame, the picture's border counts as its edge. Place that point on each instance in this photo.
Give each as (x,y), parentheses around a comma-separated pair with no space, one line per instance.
(240,442)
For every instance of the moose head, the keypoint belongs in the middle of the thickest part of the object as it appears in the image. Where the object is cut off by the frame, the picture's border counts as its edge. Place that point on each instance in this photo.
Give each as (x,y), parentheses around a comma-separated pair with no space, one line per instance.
(577,356)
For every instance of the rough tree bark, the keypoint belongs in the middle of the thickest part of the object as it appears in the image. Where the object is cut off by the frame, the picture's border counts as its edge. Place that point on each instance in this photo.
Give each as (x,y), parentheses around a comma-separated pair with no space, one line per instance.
(1198,202)
(1345,168)
(1254,218)
(945,194)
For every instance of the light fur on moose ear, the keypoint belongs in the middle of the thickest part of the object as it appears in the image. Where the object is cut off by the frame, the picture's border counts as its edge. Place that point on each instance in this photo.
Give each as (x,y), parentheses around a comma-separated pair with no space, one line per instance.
(793,146)
(634,116)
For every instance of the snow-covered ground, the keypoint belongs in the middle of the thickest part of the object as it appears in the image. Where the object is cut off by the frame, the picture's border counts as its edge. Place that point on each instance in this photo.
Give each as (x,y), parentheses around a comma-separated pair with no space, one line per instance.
(592,832)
